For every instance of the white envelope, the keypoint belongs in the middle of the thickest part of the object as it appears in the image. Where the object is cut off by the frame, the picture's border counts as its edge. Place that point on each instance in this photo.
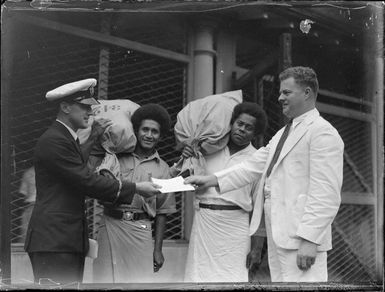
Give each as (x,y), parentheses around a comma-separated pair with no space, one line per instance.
(173,185)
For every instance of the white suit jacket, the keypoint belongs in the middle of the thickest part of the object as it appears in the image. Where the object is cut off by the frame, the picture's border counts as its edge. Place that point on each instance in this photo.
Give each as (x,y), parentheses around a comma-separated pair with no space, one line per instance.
(305,183)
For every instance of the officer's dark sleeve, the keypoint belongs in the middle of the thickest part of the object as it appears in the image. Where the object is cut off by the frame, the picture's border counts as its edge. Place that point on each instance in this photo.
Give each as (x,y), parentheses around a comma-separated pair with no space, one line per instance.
(61,158)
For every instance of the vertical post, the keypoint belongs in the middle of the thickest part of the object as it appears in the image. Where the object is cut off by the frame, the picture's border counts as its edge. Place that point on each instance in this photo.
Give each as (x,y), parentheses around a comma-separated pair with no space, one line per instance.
(285,60)
(201,75)
(226,54)
(374,91)
(7,34)
(188,197)
(190,66)
(204,55)
(104,61)
(259,92)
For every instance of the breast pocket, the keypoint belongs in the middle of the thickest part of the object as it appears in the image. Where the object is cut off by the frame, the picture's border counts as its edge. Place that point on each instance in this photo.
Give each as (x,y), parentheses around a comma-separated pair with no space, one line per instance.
(298,167)
(127,172)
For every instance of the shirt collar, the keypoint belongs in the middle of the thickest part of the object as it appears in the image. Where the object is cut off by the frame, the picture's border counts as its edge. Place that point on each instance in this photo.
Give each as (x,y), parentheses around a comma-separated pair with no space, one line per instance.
(301,118)
(246,149)
(154,156)
(72,132)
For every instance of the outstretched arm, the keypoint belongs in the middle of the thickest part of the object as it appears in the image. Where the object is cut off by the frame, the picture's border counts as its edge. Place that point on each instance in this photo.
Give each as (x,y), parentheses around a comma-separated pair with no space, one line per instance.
(201,182)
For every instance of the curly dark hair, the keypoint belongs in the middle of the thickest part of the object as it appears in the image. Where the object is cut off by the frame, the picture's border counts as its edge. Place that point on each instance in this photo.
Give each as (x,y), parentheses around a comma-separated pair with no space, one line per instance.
(253,110)
(153,112)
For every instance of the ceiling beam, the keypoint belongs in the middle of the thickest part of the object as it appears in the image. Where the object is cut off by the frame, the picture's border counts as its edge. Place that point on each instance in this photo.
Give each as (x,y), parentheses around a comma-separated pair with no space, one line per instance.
(322,21)
(103,38)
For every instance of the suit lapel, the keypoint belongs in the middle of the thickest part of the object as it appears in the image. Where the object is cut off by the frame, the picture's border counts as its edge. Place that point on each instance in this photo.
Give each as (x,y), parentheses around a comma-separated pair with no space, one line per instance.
(68,135)
(78,148)
(273,148)
(296,135)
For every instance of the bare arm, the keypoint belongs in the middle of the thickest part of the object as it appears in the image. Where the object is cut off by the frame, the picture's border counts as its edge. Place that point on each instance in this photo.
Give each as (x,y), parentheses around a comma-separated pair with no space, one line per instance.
(160,223)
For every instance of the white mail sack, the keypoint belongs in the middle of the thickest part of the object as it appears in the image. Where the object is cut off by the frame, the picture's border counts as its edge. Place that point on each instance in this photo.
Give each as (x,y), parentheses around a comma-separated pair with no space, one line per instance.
(204,124)
(120,136)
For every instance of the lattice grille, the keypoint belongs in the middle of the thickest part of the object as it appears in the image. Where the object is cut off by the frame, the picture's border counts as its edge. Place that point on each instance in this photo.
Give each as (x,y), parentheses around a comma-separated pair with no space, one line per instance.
(358,172)
(353,257)
(45,59)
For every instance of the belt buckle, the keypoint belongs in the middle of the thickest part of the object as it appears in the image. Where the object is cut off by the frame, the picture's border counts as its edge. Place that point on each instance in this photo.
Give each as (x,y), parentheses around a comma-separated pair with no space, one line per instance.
(128,215)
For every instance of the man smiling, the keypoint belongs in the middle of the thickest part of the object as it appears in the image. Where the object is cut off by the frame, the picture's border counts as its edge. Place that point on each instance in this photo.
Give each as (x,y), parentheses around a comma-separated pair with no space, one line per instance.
(126,252)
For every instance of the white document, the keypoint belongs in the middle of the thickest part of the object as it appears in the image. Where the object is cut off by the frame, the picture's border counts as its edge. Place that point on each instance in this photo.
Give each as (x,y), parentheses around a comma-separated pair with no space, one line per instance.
(173,185)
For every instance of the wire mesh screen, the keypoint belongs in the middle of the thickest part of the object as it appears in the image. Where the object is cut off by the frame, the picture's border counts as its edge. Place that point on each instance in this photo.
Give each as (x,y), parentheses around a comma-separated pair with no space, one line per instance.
(353,255)
(45,59)
(145,79)
(358,162)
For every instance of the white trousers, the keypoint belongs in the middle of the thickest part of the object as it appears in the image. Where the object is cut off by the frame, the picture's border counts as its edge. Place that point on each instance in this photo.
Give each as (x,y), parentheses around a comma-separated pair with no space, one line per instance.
(283,262)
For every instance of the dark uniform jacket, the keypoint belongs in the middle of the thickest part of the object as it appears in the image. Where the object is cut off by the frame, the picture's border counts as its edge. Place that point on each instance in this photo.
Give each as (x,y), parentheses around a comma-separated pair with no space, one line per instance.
(58,222)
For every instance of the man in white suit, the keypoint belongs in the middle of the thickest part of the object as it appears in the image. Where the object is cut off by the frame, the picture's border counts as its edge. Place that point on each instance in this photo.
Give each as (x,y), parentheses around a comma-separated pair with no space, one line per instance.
(300,172)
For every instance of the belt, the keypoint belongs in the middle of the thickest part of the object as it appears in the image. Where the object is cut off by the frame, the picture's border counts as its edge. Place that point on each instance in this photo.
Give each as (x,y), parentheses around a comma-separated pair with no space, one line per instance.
(125,215)
(219,207)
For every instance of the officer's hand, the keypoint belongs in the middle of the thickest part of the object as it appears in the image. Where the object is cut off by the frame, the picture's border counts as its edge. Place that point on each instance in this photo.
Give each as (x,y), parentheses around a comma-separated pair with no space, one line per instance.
(107,173)
(147,189)
(99,126)
(187,152)
(306,255)
(158,260)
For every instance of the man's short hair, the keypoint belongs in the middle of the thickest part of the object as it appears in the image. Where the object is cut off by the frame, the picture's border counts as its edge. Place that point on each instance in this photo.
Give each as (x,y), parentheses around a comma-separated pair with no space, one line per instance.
(153,112)
(303,76)
(253,110)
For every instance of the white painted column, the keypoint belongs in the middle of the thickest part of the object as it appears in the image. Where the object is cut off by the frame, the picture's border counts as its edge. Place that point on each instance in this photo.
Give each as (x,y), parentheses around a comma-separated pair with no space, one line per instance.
(226,61)
(204,56)
(202,71)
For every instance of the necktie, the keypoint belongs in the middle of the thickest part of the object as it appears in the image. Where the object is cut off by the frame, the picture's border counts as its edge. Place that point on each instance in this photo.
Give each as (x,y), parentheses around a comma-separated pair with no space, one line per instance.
(279,147)
(78,142)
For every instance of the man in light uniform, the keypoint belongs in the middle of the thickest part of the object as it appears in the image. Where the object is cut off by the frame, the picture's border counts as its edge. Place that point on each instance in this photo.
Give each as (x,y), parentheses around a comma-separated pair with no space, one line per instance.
(126,250)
